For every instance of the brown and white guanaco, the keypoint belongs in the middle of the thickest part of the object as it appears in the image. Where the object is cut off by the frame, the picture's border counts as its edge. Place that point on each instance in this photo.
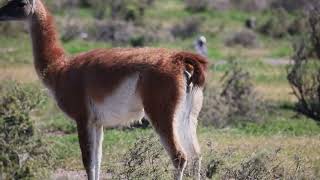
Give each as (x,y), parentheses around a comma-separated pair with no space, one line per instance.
(111,87)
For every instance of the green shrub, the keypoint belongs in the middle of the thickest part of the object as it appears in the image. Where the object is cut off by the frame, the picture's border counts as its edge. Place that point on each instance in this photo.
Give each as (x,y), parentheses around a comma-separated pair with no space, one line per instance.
(138,41)
(20,147)
(59,123)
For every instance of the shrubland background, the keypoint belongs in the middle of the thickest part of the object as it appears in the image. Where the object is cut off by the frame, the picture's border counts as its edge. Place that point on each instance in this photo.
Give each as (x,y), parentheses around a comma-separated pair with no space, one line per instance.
(252,125)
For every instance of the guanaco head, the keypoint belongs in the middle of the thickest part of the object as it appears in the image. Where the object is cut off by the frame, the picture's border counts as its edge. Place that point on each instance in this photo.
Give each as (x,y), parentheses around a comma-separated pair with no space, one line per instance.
(17,10)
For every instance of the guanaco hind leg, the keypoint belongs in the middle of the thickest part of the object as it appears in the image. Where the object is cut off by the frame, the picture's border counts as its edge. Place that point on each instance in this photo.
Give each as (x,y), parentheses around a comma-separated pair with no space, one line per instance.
(169,139)
(174,117)
(194,103)
(175,150)
(187,113)
(159,104)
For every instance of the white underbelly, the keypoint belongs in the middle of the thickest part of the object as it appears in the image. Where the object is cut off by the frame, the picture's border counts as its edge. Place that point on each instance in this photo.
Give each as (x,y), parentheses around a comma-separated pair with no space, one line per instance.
(122,107)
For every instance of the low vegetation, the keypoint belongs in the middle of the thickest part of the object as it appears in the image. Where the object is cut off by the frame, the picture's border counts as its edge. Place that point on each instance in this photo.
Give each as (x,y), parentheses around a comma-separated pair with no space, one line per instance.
(245,38)
(146,158)
(23,154)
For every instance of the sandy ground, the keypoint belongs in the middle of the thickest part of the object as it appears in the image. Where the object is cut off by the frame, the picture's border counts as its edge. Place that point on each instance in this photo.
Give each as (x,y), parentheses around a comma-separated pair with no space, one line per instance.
(277,62)
(61,174)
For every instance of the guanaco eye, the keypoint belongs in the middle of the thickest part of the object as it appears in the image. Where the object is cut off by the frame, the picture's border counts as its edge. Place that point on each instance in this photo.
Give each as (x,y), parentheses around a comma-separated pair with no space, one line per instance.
(22,3)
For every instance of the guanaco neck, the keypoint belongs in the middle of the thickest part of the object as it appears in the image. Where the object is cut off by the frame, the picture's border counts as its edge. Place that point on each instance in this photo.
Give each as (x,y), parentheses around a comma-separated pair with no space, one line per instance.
(48,53)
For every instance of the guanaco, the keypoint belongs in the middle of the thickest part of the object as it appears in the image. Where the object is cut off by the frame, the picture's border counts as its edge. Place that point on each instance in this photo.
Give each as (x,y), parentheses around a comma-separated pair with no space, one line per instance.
(111,87)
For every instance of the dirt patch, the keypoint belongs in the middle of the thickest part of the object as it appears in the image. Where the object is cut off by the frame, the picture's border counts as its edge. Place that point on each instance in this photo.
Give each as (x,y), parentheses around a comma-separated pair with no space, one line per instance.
(277,62)
(56,133)
(62,174)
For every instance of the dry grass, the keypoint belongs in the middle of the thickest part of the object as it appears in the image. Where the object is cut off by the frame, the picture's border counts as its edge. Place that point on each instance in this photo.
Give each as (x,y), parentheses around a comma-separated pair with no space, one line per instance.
(246,53)
(280,92)
(20,73)
(246,145)
(234,149)
(230,149)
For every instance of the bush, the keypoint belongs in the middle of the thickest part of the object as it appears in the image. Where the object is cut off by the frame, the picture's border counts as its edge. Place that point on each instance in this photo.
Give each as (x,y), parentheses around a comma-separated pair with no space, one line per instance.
(62,5)
(115,31)
(220,5)
(188,28)
(281,24)
(268,166)
(253,168)
(298,26)
(122,32)
(245,38)
(251,5)
(304,78)
(20,146)
(234,102)
(72,29)
(12,29)
(277,25)
(138,41)
(146,159)
(85,3)
(196,5)
(127,10)
(296,5)
(243,5)
(304,74)
(259,164)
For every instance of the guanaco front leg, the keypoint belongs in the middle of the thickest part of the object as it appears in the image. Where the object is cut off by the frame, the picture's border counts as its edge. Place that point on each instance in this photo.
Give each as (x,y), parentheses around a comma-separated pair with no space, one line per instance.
(98,150)
(90,139)
(86,141)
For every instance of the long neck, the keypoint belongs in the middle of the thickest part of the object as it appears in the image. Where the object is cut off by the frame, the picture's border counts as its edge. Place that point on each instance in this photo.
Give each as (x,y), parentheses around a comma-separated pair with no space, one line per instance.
(48,53)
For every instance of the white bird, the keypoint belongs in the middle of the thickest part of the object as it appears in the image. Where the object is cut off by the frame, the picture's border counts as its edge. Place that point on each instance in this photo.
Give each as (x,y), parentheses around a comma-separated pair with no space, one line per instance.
(201,46)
